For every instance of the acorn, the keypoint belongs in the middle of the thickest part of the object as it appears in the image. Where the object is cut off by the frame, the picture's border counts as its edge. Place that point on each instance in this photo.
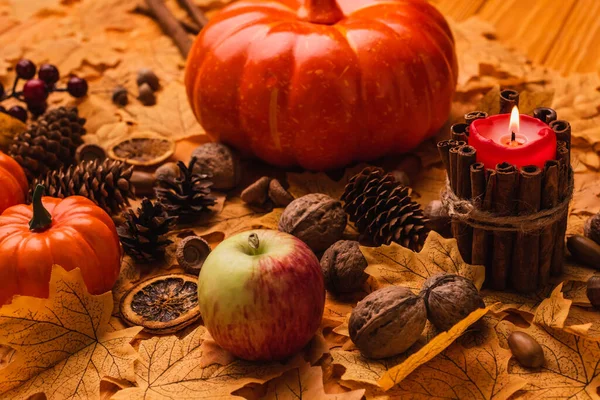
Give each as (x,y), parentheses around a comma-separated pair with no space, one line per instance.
(591,228)
(256,194)
(148,77)
(146,95)
(90,152)
(526,349)
(593,291)
(585,250)
(278,195)
(120,96)
(191,254)
(143,183)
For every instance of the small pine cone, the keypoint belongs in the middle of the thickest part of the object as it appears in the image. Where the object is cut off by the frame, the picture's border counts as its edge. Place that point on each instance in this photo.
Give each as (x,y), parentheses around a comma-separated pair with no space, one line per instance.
(50,143)
(107,183)
(142,233)
(383,211)
(186,196)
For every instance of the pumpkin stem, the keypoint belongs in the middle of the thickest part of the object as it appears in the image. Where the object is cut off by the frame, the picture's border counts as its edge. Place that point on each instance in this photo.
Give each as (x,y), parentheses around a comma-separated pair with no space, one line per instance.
(325,12)
(41,219)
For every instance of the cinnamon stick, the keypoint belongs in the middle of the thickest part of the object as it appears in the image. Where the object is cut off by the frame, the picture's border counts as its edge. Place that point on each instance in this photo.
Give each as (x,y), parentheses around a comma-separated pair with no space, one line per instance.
(548,235)
(562,129)
(466,158)
(170,26)
(444,151)
(525,262)
(545,114)
(558,255)
(453,177)
(479,246)
(508,99)
(487,205)
(460,132)
(474,115)
(194,12)
(504,204)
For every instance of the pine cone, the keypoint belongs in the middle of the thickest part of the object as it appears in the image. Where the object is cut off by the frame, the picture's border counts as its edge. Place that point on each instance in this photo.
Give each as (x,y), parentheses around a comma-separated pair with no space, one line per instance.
(49,143)
(383,211)
(107,183)
(142,233)
(187,195)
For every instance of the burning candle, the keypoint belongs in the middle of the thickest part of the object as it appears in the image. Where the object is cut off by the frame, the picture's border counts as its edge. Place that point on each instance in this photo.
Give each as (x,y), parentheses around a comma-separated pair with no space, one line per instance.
(517,139)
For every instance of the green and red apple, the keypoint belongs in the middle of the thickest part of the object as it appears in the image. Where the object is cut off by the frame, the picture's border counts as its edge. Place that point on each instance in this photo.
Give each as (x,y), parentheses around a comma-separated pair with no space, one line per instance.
(261,295)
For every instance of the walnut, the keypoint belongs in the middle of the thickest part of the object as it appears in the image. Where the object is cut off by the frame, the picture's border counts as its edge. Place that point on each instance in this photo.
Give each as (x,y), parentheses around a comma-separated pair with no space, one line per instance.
(449,299)
(316,219)
(387,322)
(343,267)
(592,228)
(221,162)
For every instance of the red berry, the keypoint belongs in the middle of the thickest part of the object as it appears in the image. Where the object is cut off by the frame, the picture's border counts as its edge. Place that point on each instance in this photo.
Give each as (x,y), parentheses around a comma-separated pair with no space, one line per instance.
(49,74)
(35,91)
(37,108)
(25,69)
(77,87)
(19,113)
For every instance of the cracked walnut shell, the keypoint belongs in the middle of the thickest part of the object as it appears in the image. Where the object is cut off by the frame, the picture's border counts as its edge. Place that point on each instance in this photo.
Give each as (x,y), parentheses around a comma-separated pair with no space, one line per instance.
(387,322)
(316,219)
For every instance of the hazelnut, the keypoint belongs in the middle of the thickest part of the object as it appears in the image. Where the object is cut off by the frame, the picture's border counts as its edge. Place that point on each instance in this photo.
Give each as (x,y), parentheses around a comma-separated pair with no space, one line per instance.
(147,76)
(449,299)
(316,219)
(278,195)
(343,267)
(119,96)
(585,250)
(387,322)
(593,291)
(146,95)
(526,350)
(256,194)
(221,162)
(167,171)
(591,228)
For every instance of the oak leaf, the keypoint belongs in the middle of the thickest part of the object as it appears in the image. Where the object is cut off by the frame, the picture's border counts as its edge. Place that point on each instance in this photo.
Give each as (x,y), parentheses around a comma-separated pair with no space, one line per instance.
(553,311)
(169,367)
(397,265)
(64,344)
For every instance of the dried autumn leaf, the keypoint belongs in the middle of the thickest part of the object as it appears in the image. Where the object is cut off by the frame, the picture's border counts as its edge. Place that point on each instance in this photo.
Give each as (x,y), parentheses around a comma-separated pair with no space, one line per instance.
(64,344)
(169,367)
(553,311)
(397,265)
(311,182)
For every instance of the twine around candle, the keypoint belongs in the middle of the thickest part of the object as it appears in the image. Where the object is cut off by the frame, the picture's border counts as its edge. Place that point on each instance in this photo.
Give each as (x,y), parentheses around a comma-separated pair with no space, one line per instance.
(467,212)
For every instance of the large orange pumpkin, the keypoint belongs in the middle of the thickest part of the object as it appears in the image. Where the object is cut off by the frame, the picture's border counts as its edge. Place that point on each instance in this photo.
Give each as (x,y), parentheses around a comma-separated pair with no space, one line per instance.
(319,84)
(73,233)
(13,183)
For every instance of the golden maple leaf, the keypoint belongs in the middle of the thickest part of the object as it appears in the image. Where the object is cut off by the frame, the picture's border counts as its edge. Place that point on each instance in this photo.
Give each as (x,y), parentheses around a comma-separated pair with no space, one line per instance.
(64,345)
(397,265)
(170,367)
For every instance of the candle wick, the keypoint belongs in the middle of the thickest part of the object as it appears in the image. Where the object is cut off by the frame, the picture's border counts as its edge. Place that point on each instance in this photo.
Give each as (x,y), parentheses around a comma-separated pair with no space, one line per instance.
(513,137)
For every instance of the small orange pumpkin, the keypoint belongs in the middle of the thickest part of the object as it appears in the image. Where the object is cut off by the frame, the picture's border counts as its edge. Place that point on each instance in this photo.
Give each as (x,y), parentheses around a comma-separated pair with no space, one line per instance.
(13,183)
(73,233)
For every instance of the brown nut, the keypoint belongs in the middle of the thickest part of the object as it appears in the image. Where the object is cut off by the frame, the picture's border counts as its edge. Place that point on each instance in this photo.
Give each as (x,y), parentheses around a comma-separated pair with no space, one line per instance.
(585,250)
(90,152)
(591,228)
(167,171)
(119,96)
(449,299)
(219,161)
(316,219)
(593,291)
(147,76)
(143,183)
(146,95)
(256,194)
(191,253)
(387,322)
(278,195)
(343,267)
(526,349)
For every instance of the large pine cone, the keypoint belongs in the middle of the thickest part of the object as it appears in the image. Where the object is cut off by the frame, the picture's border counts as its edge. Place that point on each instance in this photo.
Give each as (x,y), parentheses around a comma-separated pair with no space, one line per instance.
(142,234)
(107,183)
(383,211)
(187,195)
(49,143)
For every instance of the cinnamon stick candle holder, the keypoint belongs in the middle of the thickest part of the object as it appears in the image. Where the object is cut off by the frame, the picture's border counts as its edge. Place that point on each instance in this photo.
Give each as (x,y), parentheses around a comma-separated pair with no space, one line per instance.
(512,220)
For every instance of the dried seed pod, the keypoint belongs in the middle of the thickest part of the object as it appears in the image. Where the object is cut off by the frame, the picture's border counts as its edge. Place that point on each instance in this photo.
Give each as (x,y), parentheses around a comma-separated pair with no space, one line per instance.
(593,291)
(278,195)
(162,304)
(387,322)
(256,194)
(147,76)
(167,171)
(591,228)
(143,183)
(343,267)
(146,95)
(120,96)
(449,299)
(191,253)
(142,148)
(526,350)
(90,152)
(316,219)
(219,161)
(584,250)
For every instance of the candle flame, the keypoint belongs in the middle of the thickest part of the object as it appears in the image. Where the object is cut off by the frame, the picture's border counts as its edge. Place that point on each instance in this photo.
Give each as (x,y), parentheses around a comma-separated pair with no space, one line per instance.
(514,120)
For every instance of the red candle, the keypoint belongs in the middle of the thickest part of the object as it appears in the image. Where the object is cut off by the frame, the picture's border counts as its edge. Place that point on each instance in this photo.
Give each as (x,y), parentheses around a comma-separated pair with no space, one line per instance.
(517,139)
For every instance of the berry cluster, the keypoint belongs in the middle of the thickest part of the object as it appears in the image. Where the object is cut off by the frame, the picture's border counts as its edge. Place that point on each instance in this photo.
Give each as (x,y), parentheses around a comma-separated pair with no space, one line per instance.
(36,90)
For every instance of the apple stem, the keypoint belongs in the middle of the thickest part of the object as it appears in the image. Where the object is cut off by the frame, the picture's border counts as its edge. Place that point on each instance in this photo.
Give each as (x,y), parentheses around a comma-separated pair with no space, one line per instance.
(254,242)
